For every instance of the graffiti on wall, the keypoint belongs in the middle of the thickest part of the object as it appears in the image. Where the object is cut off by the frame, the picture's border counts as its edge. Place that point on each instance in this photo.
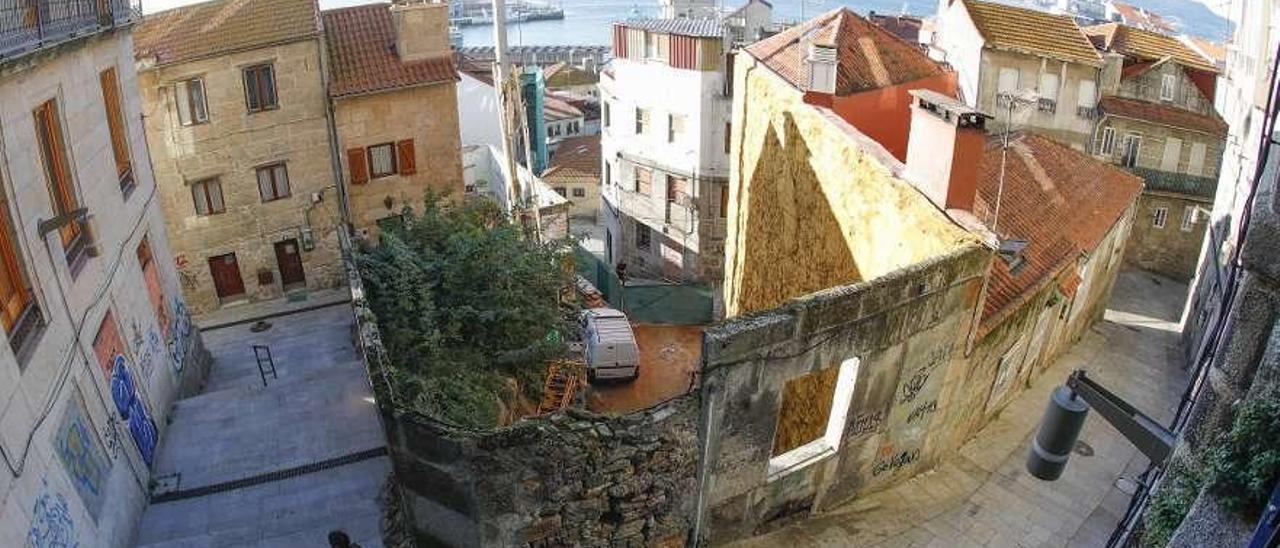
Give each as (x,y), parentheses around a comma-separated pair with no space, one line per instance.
(180,331)
(132,410)
(81,454)
(51,523)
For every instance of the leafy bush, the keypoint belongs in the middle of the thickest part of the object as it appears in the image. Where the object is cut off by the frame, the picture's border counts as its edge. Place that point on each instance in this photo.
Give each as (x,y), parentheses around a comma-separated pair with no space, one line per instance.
(463,301)
(1245,462)
(1170,504)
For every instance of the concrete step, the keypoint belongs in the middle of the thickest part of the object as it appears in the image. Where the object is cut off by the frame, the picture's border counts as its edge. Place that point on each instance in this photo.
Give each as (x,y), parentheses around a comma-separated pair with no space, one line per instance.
(239,433)
(294,512)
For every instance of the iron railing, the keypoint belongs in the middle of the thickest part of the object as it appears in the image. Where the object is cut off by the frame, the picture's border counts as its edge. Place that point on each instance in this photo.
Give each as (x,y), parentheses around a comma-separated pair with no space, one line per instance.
(28,25)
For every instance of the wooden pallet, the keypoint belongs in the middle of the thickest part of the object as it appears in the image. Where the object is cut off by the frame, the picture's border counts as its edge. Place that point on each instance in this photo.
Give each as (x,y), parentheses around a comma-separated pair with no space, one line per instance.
(564,378)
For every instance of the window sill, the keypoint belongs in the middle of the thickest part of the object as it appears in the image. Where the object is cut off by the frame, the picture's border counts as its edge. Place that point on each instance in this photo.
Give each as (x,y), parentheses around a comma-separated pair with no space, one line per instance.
(799,459)
(277,199)
(26,335)
(77,253)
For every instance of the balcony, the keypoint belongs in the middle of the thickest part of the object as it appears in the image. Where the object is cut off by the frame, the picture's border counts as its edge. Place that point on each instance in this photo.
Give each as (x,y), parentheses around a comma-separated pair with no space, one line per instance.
(29,25)
(1047,105)
(1088,113)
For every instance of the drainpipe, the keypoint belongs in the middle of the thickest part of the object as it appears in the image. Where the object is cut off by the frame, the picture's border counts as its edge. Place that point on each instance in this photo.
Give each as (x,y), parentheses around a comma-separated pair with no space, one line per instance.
(335,151)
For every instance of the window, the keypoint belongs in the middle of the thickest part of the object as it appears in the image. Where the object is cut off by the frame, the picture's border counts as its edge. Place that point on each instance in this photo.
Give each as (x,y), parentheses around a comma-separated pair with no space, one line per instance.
(1087,95)
(382,160)
(724,201)
(53,152)
(18,310)
(812,418)
(677,190)
(1006,84)
(1195,164)
(151,277)
(273,182)
(728,137)
(561,191)
(1107,144)
(116,127)
(644,180)
(260,88)
(1132,147)
(1168,84)
(207,196)
(1188,218)
(1048,92)
(604,113)
(608,173)
(642,236)
(189,97)
(1172,154)
(579,192)
(675,127)
(1159,216)
(642,121)
(650,45)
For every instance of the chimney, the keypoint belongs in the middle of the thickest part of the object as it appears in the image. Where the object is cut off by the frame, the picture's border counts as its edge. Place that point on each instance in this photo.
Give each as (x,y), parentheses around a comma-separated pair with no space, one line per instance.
(422,29)
(1111,72)
(821,64)
(944,149)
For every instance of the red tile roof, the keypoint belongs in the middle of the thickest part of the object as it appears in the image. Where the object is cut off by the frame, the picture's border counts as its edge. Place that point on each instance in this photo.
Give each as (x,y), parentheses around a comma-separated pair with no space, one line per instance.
(868,56)
(362,55)
(553,109)
(1150,20)
(1166,115)
(1062,202)
(1031,31)
(905,27)
(1143,45)
(577,160)
(220,27)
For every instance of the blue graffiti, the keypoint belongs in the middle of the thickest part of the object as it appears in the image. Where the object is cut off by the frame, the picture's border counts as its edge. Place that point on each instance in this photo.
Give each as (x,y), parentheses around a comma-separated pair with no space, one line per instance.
(51,523)
(179,334)
(129,404)
(81,455)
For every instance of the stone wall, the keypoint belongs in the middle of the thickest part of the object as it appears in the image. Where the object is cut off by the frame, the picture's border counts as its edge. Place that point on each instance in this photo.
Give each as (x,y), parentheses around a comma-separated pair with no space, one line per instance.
(1170,250)
(229,147)
(810,186)
(571,478)
(906,330)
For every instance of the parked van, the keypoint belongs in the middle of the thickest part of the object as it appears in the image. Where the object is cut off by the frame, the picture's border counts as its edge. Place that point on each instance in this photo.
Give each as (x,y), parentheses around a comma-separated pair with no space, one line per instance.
(610,345)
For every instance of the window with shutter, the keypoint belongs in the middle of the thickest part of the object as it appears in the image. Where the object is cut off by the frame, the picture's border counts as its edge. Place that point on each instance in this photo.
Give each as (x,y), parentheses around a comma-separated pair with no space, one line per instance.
(18,311)
(356,165)
(407,161)
(260,88)
(207,197)
(644,178)
(192,107)
(58,173)
(273,182)
(116,127)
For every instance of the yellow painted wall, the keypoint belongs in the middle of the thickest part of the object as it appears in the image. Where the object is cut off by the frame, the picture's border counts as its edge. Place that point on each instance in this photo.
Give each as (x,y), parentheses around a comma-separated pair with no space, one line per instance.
(813,203)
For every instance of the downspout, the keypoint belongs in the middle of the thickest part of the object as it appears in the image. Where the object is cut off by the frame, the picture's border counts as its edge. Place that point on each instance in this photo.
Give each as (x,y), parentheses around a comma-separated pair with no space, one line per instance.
(335,151)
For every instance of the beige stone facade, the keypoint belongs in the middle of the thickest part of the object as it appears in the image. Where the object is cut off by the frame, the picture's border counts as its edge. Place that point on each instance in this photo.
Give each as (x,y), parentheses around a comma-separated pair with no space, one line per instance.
(229,148)
(1069,118)
(427,116)
(1168,232)
(74,472)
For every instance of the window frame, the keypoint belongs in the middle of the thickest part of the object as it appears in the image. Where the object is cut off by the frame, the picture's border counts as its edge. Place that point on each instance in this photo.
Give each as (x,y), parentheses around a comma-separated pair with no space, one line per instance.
(579,192)
(1107,144)
(117,127)
(643,121)
(275,181)
(257,70)
(1188,218)
(1159,216)
(204,185)
(644,236)
(1125,159)
(647,188)
(59,180)
(1168,82)
(674,133)
(22,324)
(827,444)
(391,153)
(183,88)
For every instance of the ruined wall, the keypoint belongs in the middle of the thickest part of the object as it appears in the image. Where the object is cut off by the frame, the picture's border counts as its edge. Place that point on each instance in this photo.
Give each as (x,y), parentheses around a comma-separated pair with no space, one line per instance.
(572,478)
(806,184)
(906,329)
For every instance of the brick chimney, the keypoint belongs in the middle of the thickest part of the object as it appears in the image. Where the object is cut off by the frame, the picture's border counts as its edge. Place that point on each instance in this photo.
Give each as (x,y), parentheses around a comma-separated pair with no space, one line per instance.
(422,29)
(944,149)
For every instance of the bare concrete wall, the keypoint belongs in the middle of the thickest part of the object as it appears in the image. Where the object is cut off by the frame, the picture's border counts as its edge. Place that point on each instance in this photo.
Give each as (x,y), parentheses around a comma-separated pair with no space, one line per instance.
(906,328)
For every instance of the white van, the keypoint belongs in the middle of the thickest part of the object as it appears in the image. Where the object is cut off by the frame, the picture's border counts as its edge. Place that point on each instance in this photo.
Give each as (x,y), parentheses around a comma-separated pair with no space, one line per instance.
(610,345)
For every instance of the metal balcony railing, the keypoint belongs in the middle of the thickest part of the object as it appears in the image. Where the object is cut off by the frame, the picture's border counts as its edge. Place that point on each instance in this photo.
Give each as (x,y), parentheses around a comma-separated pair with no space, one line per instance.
(1047,105)
(28,25)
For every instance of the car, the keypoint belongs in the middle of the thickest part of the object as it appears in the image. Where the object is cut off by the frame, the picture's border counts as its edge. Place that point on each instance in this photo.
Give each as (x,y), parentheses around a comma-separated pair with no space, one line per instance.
(611,351)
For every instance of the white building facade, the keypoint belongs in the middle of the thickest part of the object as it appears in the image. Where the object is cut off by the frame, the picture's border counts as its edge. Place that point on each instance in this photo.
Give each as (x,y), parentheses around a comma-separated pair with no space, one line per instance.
(664,142)
(99,343)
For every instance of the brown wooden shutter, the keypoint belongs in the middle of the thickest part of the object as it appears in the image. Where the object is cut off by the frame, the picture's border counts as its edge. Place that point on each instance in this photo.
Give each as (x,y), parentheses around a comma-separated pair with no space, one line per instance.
(359,170)
(406,159)
(116,125)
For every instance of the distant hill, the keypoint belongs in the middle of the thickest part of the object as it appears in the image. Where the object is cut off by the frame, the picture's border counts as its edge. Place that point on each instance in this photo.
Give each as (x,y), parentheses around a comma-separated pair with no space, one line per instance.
(1193,17)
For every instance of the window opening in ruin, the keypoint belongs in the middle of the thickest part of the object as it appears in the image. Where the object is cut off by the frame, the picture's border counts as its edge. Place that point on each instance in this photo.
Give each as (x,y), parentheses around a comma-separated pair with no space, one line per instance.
(812,417)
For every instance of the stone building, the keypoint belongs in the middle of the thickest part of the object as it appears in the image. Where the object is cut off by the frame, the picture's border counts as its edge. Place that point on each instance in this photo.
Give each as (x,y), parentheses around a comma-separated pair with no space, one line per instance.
(664,141)
(575,174)
(997,54)
(1158,120)
(237,120)
(395,107)
(98,339)
(563,121)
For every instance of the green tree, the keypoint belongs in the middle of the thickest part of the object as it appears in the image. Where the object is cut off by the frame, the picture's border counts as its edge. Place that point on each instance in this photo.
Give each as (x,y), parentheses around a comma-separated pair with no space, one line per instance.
(464,302)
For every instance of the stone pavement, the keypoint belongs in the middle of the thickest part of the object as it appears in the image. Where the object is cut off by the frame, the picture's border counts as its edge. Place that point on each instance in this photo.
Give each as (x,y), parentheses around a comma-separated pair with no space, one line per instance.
(984,497)
(297,301)
(303,451)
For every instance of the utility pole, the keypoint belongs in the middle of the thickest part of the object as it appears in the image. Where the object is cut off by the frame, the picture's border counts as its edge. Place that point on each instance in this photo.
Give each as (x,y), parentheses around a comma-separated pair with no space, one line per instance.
(502,71)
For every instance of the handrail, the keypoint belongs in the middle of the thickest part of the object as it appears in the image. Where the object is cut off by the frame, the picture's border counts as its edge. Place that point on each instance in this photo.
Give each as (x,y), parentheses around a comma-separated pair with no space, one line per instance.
(28,25)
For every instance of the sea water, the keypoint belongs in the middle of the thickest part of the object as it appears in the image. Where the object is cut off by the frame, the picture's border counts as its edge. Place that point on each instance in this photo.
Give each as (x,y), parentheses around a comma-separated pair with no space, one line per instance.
(587,22)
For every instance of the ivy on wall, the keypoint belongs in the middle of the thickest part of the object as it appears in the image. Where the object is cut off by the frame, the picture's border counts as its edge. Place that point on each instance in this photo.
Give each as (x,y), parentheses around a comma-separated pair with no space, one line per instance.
(465,303)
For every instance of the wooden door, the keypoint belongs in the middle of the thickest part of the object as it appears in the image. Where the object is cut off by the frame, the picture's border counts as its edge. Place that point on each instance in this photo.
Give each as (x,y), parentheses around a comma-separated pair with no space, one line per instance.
(290,261)
(226,276)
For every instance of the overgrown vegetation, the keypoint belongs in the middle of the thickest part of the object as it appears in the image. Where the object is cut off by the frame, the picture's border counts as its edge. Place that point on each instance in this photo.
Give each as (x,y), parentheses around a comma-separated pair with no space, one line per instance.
(1241,467)
(465,303)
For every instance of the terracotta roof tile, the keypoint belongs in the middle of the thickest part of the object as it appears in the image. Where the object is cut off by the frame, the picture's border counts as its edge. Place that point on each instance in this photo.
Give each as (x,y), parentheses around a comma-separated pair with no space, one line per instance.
(905,27)
(577,160)
(1134,15)
(220,27)
(868,56)
(1031,31)
(362,56)
(1164,115)
(1144,45)
(553,109)
(1062,202)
